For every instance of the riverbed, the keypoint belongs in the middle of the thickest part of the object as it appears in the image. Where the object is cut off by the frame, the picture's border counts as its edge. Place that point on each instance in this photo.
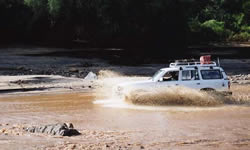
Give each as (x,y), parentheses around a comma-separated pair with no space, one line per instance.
(174,127)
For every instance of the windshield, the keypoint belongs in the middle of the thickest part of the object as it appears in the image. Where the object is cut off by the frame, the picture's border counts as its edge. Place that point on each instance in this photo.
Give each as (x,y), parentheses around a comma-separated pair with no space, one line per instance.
(156,75)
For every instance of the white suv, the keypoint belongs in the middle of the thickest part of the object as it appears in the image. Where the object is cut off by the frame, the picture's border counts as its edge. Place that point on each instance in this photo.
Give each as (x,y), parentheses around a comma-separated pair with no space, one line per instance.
(207,77)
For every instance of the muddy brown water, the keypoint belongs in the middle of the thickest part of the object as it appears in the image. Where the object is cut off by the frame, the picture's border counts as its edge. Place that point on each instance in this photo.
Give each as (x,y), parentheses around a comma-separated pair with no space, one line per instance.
(223,127)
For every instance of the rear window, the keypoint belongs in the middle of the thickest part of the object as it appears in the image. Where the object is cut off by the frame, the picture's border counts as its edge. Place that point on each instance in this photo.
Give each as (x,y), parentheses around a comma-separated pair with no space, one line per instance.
(211,74)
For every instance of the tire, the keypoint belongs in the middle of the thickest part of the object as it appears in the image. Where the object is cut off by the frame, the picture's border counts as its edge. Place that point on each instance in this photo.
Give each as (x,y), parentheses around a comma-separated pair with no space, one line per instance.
(209,91)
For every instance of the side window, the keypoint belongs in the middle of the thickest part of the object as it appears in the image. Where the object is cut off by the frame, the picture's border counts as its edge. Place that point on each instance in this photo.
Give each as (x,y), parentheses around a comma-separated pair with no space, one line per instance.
(171,76)
(211,74)
(190,75)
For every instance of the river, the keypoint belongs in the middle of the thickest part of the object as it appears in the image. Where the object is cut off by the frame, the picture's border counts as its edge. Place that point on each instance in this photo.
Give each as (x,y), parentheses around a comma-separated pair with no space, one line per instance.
(130,127)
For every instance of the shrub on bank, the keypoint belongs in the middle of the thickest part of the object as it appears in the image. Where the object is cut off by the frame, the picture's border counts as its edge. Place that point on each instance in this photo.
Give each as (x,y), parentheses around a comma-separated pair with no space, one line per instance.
(215,26)
(245,28)
(241,37)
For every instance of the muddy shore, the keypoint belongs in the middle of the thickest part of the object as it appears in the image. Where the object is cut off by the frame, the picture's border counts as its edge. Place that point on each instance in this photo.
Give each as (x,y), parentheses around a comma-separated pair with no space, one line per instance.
(36,89)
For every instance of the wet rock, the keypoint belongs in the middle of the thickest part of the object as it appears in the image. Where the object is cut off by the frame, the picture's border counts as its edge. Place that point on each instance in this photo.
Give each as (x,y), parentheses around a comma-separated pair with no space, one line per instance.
(91,76)
(19,82)
(72,146)
(70,125)
(20,68)
(2,130)
(73,70)
(61,129)
(86,64)
(239,78)
(73,76)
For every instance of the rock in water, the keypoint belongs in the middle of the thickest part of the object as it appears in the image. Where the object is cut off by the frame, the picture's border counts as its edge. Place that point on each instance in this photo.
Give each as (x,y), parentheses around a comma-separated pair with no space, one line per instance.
(61,129)
(73,70)
(91,76)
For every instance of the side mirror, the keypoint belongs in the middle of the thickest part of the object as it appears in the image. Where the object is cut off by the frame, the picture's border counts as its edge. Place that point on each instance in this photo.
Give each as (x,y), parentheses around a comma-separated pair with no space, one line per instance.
(161,79)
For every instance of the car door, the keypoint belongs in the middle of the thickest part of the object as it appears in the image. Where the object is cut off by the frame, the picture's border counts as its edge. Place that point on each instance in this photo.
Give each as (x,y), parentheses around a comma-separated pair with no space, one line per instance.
(212,78)
(169,79)
(190,79)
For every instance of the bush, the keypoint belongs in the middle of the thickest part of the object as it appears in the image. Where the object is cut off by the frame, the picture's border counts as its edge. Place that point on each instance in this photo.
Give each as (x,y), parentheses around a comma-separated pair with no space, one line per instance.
(215,30)
(216,26)
(245,28)
(241,37)
(246,10)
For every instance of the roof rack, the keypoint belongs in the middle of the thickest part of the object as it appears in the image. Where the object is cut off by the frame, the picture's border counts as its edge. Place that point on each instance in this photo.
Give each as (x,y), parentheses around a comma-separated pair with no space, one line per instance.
(191,64)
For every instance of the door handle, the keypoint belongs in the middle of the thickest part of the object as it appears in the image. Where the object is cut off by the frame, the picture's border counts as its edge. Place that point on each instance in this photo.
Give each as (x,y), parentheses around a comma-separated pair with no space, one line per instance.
(176,84)
(198,83)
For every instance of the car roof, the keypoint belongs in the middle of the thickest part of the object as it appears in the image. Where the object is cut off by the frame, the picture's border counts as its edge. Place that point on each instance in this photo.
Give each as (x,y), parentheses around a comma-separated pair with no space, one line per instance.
(170,69)
(189,68)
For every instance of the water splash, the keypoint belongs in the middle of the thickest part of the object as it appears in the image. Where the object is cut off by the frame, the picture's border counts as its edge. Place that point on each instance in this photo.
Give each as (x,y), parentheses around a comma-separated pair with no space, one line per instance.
(152,99)
(176,96)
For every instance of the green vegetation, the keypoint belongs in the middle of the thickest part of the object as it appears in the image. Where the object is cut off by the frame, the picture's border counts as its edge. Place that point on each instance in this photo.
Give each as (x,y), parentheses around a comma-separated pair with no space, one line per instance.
(125,23)
(219,20)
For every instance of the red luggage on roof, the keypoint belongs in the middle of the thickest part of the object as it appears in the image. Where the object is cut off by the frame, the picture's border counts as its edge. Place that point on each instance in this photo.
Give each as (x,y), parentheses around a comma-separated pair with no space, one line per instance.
(205,59)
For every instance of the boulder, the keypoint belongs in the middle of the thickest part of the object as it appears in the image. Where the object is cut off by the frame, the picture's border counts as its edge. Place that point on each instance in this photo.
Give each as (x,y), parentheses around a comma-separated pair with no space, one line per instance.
(91,76)
(61,129)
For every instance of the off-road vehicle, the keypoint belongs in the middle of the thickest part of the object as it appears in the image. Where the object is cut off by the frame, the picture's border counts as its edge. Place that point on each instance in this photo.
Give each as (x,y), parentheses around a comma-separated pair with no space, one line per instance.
(204,76)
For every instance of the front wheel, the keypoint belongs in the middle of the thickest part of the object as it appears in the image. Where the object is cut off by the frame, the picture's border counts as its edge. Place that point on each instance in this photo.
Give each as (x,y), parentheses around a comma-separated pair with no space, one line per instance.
(207,90)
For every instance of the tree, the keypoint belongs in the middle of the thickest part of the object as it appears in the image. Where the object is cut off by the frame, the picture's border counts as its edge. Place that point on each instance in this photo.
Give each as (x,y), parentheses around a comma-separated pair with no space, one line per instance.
(13,25)
(246,10)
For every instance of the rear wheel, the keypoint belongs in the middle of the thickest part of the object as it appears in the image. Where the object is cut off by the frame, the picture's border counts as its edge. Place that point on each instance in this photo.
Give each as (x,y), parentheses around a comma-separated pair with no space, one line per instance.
(209,91)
